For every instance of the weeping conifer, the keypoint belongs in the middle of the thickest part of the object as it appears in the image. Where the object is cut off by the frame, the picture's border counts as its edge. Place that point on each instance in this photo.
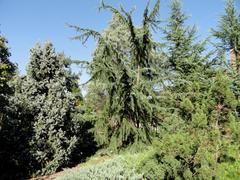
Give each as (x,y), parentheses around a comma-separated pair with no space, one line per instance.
(129,113)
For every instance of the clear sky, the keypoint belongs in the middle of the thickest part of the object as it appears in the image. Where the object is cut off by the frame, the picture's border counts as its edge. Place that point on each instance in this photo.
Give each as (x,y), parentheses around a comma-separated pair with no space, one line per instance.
(26,22)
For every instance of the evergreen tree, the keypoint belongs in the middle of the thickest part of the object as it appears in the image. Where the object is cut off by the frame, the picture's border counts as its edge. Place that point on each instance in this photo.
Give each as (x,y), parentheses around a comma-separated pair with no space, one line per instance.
(7,69)
(5,54)
(126,72)
(184,54)
(195,137)
(179,101)
(228,32)
(49,97)
(189,65)
(16,134)
(42,121)
(13,131)
(179,37)
(116,35)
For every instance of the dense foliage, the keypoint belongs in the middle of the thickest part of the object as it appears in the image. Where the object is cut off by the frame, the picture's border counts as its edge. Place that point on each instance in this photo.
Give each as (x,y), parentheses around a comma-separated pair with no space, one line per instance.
(124,68)
(117,168)
(171,108)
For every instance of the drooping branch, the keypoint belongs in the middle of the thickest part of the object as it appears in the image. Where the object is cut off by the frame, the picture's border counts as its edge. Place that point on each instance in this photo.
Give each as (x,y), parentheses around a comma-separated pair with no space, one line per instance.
(85,34)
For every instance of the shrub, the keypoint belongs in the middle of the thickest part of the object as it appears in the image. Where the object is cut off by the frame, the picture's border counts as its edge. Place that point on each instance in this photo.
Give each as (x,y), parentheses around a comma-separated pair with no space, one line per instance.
(114,169)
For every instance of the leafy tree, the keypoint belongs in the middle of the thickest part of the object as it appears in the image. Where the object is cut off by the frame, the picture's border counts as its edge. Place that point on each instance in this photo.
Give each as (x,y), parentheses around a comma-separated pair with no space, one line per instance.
(7,70)
(16,134)
(15,130)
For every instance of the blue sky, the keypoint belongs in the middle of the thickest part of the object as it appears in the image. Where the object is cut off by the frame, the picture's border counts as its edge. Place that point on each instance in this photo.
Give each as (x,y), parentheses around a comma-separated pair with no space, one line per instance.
(26,22)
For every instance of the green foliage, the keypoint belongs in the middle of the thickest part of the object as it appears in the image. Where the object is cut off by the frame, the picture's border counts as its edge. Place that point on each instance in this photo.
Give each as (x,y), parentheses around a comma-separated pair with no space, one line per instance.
(182,51)
(124,67)
(229,26)
(170,158)
(196,140)
(228,171)
(16,133)
(116,169)
(7,69)
(187,105)
(5,54)
(199,119)
(222,92)
(9,160)
(228,33)
(193,113)
(3,75)
(172,103)
(50,99)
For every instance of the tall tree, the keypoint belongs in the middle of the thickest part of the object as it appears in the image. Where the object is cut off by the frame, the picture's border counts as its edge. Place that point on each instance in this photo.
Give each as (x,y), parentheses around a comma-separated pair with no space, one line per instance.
(183,52)
(10,146)
(48,90)
(198,133)
(126,71)
(7,69)
(117,35)
(188,64)
(228,32)
(42,124)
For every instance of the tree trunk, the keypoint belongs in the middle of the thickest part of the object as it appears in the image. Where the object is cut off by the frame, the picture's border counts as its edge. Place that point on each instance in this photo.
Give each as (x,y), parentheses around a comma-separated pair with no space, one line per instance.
(235,60)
